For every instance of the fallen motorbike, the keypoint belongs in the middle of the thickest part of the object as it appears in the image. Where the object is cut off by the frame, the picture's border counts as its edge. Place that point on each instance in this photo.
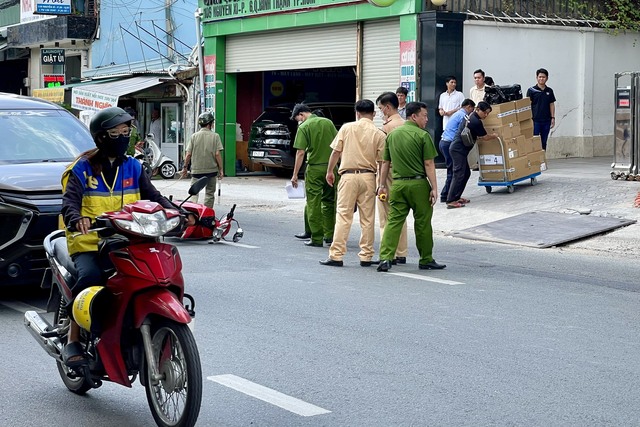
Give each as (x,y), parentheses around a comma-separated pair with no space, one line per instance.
(136,324)
(207,226)
(153,160)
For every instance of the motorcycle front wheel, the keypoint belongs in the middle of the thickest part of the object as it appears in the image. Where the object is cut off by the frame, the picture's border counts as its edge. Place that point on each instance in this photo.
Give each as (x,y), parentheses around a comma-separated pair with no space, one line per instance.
(76,383)
(175,399)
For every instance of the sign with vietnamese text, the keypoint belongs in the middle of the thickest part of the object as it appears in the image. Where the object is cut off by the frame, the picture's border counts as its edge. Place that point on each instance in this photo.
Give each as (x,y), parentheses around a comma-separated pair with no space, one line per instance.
(53,80)
(82,99)
(52,56)
(52,95)
(408,68)
(215,10)
(53,7)
(210,83)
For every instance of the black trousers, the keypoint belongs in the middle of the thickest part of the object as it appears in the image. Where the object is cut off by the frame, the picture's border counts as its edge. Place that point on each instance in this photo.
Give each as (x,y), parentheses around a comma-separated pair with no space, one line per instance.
(461,171)
(89,271)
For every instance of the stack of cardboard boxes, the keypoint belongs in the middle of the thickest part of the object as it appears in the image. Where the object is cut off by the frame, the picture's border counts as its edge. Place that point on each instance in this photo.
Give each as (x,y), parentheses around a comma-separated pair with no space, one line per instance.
(521,153)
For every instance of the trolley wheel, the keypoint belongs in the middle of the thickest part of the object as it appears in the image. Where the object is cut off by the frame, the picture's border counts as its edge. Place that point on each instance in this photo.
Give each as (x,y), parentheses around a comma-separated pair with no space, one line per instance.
(488,189)
(511,188)
(623,176)
(534,181)
(614,176)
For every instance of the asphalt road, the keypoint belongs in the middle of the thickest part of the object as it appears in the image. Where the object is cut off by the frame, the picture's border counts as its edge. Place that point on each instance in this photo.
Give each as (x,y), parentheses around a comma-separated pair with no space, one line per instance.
(504,336)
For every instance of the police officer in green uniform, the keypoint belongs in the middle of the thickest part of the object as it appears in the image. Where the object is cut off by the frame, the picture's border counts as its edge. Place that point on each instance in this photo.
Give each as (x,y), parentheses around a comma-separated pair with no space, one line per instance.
(411,150)
(314,137)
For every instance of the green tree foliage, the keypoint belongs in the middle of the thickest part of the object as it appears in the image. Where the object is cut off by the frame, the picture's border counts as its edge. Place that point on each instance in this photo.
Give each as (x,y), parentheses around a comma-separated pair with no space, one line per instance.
(620,15)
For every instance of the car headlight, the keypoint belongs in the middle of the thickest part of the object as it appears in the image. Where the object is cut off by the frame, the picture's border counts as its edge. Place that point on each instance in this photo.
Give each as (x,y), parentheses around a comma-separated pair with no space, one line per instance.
(148,224)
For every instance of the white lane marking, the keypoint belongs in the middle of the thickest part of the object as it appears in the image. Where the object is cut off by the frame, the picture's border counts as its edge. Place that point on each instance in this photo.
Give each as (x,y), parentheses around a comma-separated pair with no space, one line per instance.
(21,307)
(268,395)
(241,245)
(428,279)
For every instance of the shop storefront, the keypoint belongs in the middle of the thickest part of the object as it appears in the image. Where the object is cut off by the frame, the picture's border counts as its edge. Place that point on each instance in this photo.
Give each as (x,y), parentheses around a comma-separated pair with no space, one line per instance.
(260,54)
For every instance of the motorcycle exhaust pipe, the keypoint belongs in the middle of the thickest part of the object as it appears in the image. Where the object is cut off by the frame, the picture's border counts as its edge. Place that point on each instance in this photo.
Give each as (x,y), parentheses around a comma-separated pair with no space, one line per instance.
(37,326)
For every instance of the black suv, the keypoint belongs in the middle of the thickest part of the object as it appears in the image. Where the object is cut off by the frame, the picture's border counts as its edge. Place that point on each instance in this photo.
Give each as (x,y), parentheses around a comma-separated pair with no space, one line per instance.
(273,133)
(39,140)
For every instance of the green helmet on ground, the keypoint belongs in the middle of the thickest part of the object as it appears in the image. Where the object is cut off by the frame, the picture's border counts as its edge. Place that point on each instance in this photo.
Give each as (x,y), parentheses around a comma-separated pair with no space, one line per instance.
(205,118)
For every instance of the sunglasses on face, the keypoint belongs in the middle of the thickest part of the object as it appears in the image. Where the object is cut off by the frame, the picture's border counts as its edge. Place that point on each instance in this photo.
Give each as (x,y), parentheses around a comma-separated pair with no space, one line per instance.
(115,133)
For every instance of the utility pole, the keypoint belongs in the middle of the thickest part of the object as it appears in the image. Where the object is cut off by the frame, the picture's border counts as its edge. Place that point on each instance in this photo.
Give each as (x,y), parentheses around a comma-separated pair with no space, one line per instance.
(170,28)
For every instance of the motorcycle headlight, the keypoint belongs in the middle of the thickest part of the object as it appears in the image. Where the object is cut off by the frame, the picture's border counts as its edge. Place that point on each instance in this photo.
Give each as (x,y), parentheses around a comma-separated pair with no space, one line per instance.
(149,224)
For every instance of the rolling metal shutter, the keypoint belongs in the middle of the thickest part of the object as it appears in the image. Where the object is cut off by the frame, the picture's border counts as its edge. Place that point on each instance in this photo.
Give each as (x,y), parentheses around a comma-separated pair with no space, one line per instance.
(313,47)
(380,58)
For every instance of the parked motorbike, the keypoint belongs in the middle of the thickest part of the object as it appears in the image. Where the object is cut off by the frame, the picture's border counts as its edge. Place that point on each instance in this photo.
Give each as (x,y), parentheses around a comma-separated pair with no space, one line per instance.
(207,226)
(153,161)
(136,324)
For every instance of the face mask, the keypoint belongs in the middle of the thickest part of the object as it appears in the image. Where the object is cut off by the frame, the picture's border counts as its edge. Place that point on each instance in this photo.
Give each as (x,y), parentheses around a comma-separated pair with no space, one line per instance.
(115,147)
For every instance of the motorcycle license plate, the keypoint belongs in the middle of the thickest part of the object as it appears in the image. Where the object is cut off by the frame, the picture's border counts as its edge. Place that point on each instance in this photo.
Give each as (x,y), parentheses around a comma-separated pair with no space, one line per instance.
(257,153)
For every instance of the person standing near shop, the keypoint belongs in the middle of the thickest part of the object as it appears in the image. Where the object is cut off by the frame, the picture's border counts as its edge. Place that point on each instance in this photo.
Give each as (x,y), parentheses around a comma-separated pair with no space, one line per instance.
(448,136)
(388,105)
(314,137)
(476,93)
(450,100)
(155,127)
(203,154)
(412,152)
(402,93)
(358,145)
(459,153)
(543,107)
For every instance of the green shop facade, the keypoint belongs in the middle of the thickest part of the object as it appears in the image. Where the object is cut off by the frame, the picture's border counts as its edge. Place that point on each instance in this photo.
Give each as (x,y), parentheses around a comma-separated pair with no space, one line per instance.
(259,53)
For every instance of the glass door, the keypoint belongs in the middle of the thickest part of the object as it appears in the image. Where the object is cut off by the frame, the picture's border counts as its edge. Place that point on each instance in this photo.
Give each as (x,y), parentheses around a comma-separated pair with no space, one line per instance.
(172,132)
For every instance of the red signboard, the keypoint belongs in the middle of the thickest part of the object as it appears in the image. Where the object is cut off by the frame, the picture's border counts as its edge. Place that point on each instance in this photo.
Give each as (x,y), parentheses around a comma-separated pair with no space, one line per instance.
(53,80)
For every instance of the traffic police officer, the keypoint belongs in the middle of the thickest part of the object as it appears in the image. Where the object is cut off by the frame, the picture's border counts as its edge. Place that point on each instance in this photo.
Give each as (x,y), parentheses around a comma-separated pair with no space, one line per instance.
(411,150)
(314,137)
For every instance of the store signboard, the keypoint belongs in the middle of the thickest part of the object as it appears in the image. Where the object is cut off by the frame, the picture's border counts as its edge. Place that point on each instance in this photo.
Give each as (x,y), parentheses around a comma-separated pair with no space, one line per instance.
(53,7)
(53,95)
(408,68)
(217,10)
(210,83)
(53,80)
(82,99)
(52,56)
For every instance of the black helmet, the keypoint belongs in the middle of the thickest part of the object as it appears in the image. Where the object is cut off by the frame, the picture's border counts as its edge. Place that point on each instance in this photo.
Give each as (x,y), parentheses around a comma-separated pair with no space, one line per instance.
(205,118)
(107,119)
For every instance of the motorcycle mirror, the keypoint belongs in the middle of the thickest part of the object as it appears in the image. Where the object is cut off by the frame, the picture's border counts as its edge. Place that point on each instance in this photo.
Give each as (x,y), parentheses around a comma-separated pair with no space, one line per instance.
(198,186)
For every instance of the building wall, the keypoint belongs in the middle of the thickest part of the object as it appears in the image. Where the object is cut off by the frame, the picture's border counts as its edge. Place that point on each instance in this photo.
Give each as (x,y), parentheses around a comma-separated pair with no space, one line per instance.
(581,64)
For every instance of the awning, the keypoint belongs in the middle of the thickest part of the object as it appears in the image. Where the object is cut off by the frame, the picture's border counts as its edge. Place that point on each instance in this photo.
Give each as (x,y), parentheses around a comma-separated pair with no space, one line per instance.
(103,95)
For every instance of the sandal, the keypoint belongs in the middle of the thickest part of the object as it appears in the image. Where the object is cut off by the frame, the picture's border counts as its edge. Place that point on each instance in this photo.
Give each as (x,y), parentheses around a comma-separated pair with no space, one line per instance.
(464,201)
(454,205)
(73,355)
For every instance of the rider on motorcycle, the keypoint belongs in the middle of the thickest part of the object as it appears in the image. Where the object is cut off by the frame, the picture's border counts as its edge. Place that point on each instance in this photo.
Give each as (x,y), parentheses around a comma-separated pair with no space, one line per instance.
(100,180)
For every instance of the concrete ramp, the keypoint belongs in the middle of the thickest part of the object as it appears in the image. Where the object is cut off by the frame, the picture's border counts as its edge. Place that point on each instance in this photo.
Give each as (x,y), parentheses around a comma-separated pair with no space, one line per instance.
(542,229)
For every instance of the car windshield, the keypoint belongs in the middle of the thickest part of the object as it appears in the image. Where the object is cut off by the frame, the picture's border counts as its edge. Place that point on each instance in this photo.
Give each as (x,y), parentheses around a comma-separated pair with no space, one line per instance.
(41,136)
(274,116)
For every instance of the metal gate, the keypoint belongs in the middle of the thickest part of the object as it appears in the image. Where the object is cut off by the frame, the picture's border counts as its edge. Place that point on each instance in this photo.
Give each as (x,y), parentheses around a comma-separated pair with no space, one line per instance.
(626,132)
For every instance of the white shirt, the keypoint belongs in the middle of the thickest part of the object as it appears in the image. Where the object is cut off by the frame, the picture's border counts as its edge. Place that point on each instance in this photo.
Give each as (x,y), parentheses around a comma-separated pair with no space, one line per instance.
(448,102)
(156,129)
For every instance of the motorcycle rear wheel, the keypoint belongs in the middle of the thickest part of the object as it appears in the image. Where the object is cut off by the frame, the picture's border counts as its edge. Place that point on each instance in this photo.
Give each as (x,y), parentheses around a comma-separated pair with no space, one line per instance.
(175,400)
(79,384)
(168,170)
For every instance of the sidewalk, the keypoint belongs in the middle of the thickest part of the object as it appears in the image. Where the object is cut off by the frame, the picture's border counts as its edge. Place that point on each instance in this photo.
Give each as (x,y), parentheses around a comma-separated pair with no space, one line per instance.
(568,186)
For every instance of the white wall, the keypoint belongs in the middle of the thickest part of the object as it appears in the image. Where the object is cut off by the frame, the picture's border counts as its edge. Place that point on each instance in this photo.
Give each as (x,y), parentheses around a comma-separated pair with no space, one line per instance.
(581,64)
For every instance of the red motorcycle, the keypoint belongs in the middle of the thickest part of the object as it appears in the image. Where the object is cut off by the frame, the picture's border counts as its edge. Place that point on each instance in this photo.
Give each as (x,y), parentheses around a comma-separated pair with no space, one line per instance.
(136,324)
(207,225)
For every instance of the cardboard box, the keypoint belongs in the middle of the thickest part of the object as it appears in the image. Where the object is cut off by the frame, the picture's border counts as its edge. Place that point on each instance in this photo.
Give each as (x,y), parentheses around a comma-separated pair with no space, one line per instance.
(514,168)
(536,142)
(526,128)
(508,131)
(510,148)
(538,161)
(501,114)
(523,109)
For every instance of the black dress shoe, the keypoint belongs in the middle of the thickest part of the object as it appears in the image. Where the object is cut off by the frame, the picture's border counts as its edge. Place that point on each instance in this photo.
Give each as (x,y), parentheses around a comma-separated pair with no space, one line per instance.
(431,266)
(384,266)
(304,235)
(365,263)
(328,240)
(400,260)
(331,262)
(312,243)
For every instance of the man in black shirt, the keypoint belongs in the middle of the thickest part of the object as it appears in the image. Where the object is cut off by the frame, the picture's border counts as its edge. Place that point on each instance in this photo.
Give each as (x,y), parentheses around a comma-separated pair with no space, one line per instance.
(543,108)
